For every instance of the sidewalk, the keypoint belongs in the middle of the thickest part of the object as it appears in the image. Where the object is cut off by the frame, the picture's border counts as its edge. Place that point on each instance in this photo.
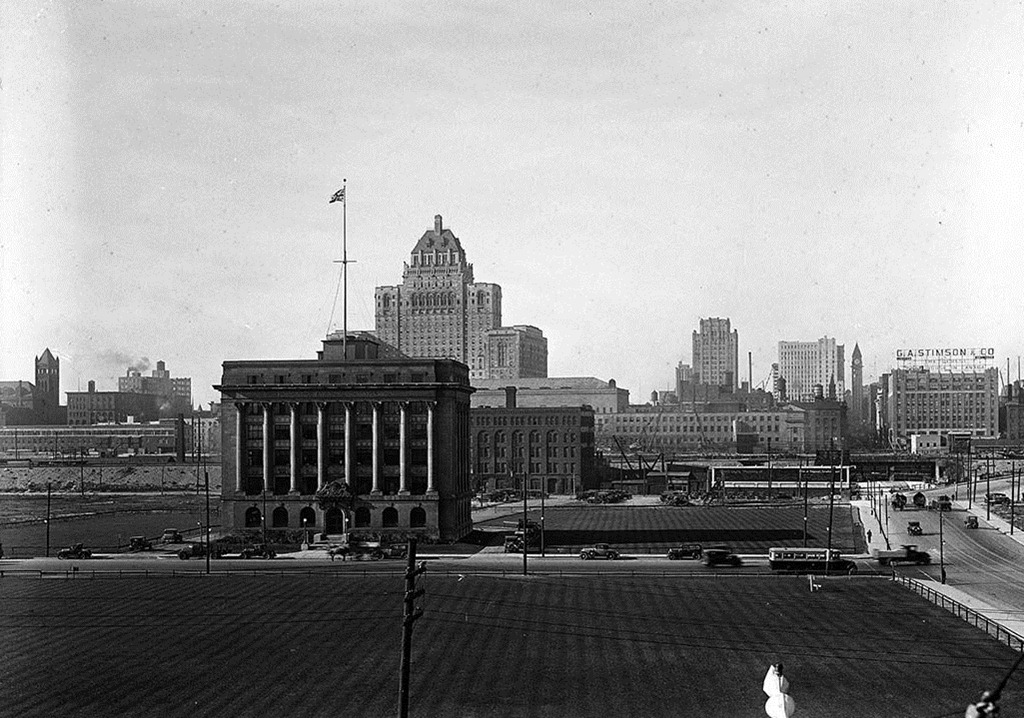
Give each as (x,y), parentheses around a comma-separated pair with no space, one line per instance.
(1011,620)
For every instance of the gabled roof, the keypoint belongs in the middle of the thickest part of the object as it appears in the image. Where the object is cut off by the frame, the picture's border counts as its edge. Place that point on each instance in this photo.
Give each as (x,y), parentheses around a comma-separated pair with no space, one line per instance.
(432,241)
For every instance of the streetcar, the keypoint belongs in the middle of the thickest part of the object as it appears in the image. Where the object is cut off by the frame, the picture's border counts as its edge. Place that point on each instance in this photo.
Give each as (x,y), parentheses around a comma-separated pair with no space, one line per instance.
(808,560)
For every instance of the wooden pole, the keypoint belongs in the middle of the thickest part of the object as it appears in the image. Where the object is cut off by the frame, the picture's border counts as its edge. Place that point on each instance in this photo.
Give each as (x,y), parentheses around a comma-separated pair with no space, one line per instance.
(409,616)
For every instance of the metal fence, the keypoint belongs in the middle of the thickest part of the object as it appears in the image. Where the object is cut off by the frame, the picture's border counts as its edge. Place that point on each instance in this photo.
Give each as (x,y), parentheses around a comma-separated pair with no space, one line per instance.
(993,628)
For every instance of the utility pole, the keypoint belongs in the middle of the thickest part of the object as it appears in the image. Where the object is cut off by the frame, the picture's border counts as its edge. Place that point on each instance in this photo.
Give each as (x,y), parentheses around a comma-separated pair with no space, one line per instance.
(831,499)
(409,616)
(799,471)
(942,562)
(47,519)
(1013,493)
(769,469)
(264,511)
(526,534)
(207,475)
(542,514)
(989,464)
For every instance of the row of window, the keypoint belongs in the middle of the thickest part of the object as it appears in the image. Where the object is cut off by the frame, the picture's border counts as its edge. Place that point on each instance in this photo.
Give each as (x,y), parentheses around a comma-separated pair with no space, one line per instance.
(536,467)
(280,518)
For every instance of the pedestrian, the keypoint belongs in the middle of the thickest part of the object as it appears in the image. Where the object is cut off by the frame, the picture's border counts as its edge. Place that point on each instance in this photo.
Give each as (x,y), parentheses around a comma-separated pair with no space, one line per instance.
(869,535)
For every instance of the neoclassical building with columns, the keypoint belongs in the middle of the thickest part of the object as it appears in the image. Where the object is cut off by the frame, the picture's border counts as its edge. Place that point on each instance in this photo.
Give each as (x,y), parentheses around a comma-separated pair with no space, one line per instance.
(390,430)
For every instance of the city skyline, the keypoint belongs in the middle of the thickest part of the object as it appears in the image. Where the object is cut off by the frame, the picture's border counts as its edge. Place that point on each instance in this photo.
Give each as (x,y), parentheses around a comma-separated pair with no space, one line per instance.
(621,172)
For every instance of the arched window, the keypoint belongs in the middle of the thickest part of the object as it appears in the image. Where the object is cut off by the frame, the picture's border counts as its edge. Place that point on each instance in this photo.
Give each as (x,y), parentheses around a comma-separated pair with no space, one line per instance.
(552,437)
(362,517)
(307,517)
(417,517)
(534,437)
(389,517)
(253,517)
(279,519)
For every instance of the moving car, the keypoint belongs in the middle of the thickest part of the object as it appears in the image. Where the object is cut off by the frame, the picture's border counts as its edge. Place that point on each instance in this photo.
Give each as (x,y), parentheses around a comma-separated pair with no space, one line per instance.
(721,556)
(904,554)
(914,528)
(686,550)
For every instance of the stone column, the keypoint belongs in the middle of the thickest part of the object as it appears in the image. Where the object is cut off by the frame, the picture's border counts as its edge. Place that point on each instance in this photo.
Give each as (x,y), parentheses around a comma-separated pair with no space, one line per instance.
(430,447)
(321,445)
(268,441)
(376,447)
(293,486)
(403,487)
(239,443)
(349,476)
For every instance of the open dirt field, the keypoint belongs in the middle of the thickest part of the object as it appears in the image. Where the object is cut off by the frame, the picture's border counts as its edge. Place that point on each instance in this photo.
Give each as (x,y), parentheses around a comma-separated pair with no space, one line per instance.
(486,646)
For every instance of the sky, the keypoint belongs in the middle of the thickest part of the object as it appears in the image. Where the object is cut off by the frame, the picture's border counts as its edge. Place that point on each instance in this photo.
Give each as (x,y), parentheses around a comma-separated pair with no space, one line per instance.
(621,169)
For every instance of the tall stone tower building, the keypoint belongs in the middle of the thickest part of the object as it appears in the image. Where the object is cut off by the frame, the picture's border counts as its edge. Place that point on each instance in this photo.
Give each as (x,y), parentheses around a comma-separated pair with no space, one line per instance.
(716,353)
(439,310)
(806,364)
(46,398)
(857,387)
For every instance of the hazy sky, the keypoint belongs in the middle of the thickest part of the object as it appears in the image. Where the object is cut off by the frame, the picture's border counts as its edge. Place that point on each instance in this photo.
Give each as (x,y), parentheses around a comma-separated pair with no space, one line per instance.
(620,169)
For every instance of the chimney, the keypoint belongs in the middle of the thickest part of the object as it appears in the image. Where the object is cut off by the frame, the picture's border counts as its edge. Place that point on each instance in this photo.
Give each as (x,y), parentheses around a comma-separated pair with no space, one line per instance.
(92,386)
(510,397)
(437,223)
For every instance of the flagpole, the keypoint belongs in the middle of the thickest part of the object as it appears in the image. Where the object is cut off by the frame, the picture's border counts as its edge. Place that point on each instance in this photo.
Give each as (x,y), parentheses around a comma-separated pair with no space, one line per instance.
(344,269)
(339,196)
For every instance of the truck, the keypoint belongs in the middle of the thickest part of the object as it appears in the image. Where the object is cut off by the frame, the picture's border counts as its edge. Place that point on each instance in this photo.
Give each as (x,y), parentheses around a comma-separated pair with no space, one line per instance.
(904,554)
(530,536)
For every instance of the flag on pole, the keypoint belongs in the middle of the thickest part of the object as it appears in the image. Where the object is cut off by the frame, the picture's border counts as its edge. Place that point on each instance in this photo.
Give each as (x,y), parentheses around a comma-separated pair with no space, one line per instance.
(339,196)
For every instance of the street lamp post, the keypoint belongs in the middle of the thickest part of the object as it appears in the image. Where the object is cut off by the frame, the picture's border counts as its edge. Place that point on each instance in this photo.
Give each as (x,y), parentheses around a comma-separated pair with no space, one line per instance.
(942,561)
(831,499)
(47,519)
(1013,493)
(798,472)
(989,465)
(264,517)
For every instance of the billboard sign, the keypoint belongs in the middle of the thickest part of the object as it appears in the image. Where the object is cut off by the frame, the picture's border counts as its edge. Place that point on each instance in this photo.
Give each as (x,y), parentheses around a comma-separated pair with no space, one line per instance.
(953,358)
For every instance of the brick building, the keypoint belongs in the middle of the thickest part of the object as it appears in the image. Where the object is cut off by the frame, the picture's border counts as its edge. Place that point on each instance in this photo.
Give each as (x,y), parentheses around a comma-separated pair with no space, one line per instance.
(389,432)
(110,407)
(923,401)
(551,448)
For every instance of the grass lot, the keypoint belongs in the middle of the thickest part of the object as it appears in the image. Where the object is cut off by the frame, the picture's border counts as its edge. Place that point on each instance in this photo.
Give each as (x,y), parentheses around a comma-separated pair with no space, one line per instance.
(656,528)
(486,646)
(98,520)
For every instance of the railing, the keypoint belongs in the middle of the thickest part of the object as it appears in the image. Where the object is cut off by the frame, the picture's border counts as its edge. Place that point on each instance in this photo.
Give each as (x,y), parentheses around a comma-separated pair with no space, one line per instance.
(993,628)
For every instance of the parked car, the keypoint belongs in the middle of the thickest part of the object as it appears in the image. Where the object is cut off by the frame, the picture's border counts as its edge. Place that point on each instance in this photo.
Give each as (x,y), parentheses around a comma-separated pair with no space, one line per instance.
(258,551)
(599,550)
(171,536)
(686,550)
(721,556)
(72,552)
(139,543)
(996,498)
(198,550)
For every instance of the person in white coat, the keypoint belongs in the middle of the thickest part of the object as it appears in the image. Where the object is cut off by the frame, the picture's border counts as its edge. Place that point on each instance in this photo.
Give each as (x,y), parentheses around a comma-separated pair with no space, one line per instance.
(776,686)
